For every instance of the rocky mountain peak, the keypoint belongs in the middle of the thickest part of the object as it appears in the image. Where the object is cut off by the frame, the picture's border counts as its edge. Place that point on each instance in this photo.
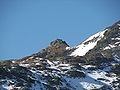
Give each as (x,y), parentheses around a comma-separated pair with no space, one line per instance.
(56,50)
(116,25)
(112,36)
(59,42)
(113,32)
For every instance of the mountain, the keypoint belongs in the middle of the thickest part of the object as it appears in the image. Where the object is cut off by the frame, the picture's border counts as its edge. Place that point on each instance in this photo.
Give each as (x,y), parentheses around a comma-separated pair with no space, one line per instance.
(92,65)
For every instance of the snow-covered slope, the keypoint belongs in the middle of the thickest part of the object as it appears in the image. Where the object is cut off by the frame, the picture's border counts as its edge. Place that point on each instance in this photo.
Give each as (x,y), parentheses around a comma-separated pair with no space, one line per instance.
(57,75)
(88,44)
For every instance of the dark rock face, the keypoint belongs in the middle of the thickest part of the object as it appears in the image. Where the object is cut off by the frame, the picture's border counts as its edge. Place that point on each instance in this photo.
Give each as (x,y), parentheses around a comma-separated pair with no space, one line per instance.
(59,42)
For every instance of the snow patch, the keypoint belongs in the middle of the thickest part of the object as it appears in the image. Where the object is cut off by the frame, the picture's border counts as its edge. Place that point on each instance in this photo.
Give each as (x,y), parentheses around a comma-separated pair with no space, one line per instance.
(83,48)
(102,75)
(88,66)
(24,65)
(13,61)
(67,48)
(118,24)
(117,38)
(111,46)
(90,86)
(116,58)
(106,48)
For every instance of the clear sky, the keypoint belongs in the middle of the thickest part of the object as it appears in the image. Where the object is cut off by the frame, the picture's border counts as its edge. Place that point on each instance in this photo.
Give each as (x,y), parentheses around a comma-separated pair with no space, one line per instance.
(27,26)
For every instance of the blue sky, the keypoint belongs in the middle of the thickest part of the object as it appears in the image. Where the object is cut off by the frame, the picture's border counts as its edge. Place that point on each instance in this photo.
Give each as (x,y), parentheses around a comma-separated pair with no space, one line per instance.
(27,26)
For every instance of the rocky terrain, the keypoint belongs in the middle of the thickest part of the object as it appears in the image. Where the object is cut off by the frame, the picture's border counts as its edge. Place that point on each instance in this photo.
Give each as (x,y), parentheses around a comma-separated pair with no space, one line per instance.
(92,65)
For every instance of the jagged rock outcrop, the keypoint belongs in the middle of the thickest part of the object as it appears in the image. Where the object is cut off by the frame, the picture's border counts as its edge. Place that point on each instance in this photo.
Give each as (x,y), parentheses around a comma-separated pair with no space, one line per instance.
(55,51)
